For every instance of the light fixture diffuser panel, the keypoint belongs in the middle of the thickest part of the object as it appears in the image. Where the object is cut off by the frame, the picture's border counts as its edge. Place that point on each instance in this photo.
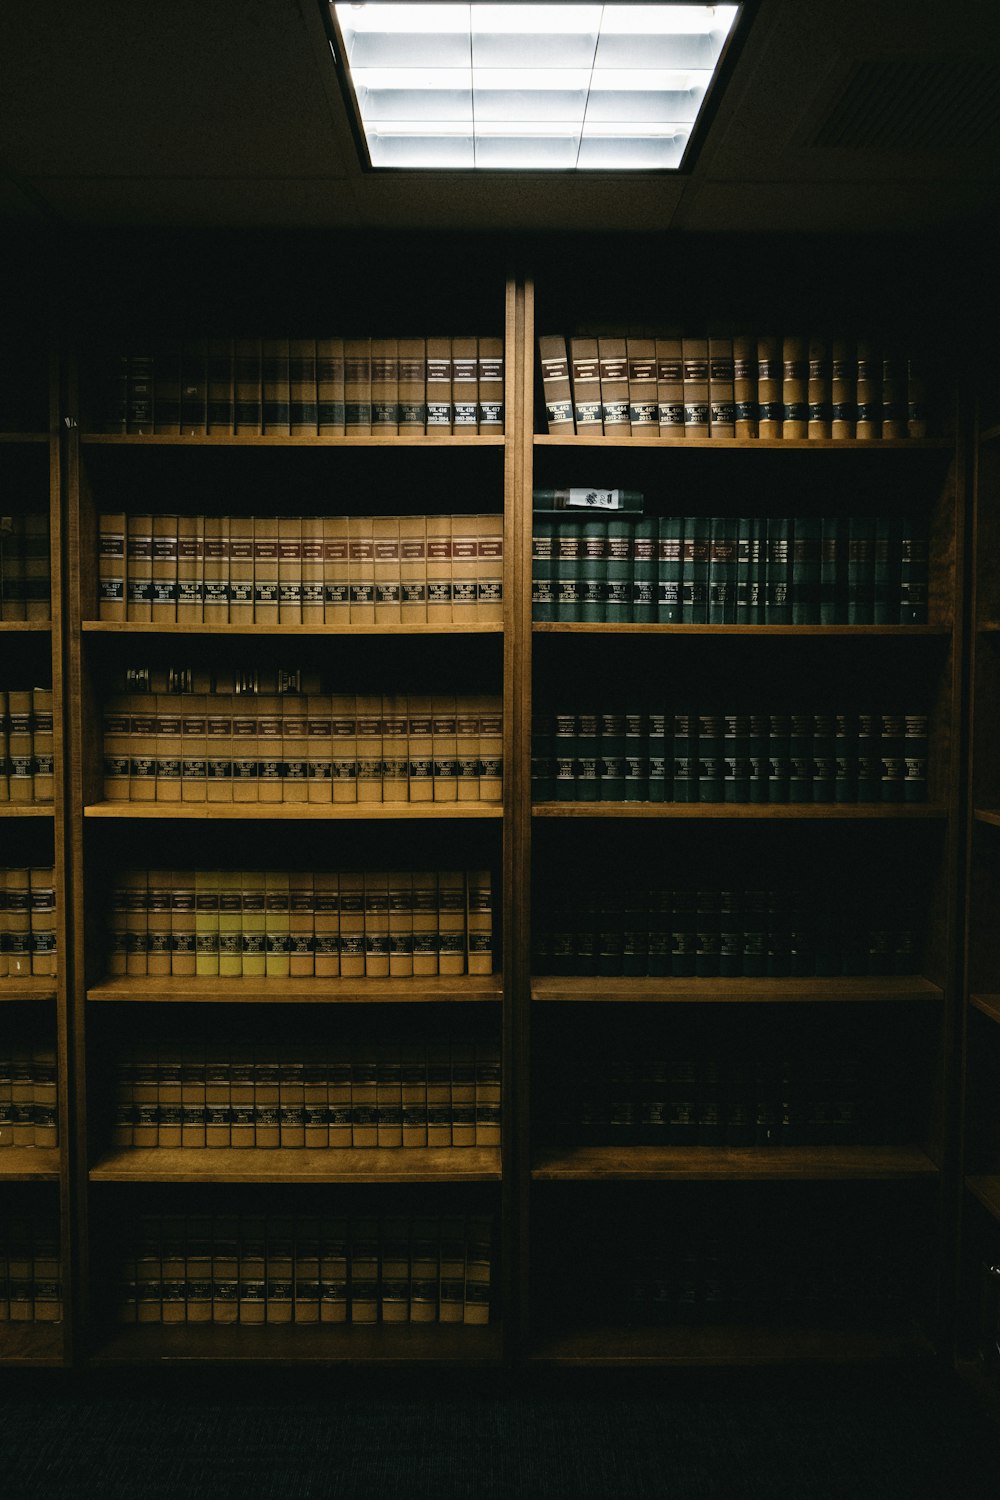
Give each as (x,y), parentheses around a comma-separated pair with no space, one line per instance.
(525,87)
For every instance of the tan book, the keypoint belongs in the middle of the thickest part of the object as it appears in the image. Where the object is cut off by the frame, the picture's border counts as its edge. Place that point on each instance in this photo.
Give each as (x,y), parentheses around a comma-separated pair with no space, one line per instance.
(194,747)
(463,1092)
(338,1094)
(421,749)
(412,374)
(169,747)
(843,389)
(42,744)
(445,748)
(241,570)
(159,905)
(451,1290)
(491,382)
(193,1096)
(467,743)
(413,1091)
(818,393)
(451,922)
(194,386)
(368,708)
(464,569)
(219,747)
(336,576)
(344,747)
(270,781)
(389,1095)
(613,356)
(145,1086)
(319,751)
(490,713)
(585,387)
(168,1093)
(868,392)
(465,384)
(45,1091)
(230,886)
(395,749)
(312,570)
(111,591)
(385,387)
(438,368)
(385,553)
(794,387)
(412,570)
(769,382)
(316,1129)
(198,1268)
(438,1093)
(183,925)
(277,954)
(425,927)
(225,1269)
(439,569)
(21,782)
(333,1283)
(364,1258)
(721,385)
(489,562)
(694,352)
(376,925)
(139,569)
(394,1281)
(479,922)
(642,399)
(488,1089)
(557,394)
(4,749)
(142,737)
(745,384)
(289,570)
(302,387)
(670,385)
(252,1292)
(36,580)
(265,570)
(330,386)
(305,1270)
(357,387)
(295,747)
(361,569)
(206,896)
(42,896)
(215,586)
(352,925)
(221,412)
(301,925)
(275,383)
(280,1253)
(245,769)
(190,569)
(173,1268)
(364,1096)
(327,923)
(400,897)
(478,1270)
(254,928)
(117,929)
(242,1078)
(247,381)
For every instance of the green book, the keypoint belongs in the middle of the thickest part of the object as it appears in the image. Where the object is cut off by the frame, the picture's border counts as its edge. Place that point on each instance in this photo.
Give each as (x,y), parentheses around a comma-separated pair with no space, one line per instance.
(543,764)
(543,596)
(593,568)
(587,756)
(636,747)
(754,933)
(645,551)
(777,571)
(845,751)
(671,539)
(694,578)
(892,730)
(635,933)
(914,573)
(612,755)
(710,742)
(730,933)
(888,549)
(869,776)
(744,570)
(684,929)
(660,768)
(618,597)
(824,762)
(707,923)
(722,565)
(658,942)
(568,549)
(860,570)
(778,761)
(832,570)
(800,757)
(564,755)
(758,570)
(736,757)
(806,542)
(685,769)
(757,727)
(915,758)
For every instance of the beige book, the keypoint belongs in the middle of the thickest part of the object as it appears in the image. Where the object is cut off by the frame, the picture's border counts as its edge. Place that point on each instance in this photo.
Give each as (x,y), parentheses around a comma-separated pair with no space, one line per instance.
(45,1097)
(265,570)
(364,1096)
(123,1129)
(316,1128)
(139,569)
(221,414)
(868,393)
(364,1252)
(451,922)
(389,1095)
(168,1092)
(336,571)
(385,387)
(333,1283)
(585,385)
(206,923)
(252,1300)
(794,387)
(368,708)
(438,1093)
(117,928)
(818,391)
(301,925)
(42,744)
(477,1270)
(439,569)
(479,922)
(400,901)
(463,1092)
(413,570)
(327,923)
(312,570)
(241,570)
(490,711)
(319,751)
(413,1091)
(145,1087)
(411,369)
(352,925)
(142,734)
(230,924)
(190,570)
(164,597)
(198,1268)
(467,738)
(19,746)
(438,372)
(193,1096)
(225,1269)
(556,389)
(451,1290)
(42,920)
(294,747)
(270,786)
(357,387)
(642,403)
(361,569)
(266,1096)
(745,384)
(425,923)
(275,386)
(465,384)
(769,375)
(385,555)
(302,387)
(280,1252)
(490,559)
(289,570)
(338,1094)
(219,745)
(305,1270)
(242,1076)
(613,357)
(394,1281)
(215,572)
(194,747)
(276,925)
(843,389)
(169,747)
(254,929)
(376,925)
(421,749)
(111,592)
(694,353)
(445,748)
(183,924)
(159,904)
(488,1088)
(245,777)
(395,749)
(721,385)
(344,747)
(291,1096)
(330,386)
(490,392)
(148,1269)
(464,569)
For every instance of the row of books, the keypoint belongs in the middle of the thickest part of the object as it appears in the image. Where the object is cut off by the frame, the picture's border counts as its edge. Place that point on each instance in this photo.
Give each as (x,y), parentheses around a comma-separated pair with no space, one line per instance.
(256,1268)
(30,1269)
(28,1113)
(26,745)
(218,747)
(732,384)
(741,570)
(307,386)
(280,924)
(307,1094)
(301,570)
(27,922)
(25,571)
(660,755)
(685,932)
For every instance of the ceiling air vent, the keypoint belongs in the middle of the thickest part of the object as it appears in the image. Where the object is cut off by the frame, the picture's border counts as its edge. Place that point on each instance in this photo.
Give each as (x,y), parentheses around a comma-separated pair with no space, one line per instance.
(915,104)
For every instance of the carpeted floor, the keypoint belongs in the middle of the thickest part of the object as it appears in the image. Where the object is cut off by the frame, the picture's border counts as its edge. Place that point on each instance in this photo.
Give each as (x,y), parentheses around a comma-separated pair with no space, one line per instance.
(278,1438)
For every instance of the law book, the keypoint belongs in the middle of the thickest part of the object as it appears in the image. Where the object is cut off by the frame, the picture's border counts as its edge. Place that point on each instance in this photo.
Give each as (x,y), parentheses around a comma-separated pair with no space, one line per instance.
(544,535)
(217,1107)
(368,709)
(239,571)
(252,1283)
(438,552)
(111,592)
(916,394)
(670,385)
(173,1265)
(142,738)
(215,569)
(394,1279)
(868,394)
(569,543)
(861,570)
(336,571)
(400,924)
(479,1230)
(914,579)
(138,394)
(247,394)
(824,765)
(465,383)
(585,383)
(451,1269)
(915,757)
(557,393)
(869,765)
(645,557)
(395,748)
(413,1090)
(334,1299)
(735,758)
(361,569)
(352,925)
(20,758)
(376,893)
(207,892)
(564,756)
(193,414)
(778,571)
(35,577)
(168,1094)
(613,356)
(888,549)
(721,385)
(489,710)
(411,373)
(219,748)
(778,757)
(291,1096)
(193,1096)
(479,922)
(438,1094)
(722,567)
(467,744)
(618,589)
(488,532)
(289,570)
(800,756)
(438,375)
(592,568)
(266,1096)
(159,905)
(412,570)
(357,387)
(463,1092)
(843,389)
(769,392)
(42,919)
(490,384)
(386,576)
(139,569)
(253,930)
(611,753)
(330,412)
(242,1077)
(169,747)
(326,924)
(636,754)
(670,603)
(642,395)
(464,568)
(424,923)
(385,386)
(420,741)
(167,387)
(794,387)
(818,391)
(745,413)
(695,569)
(894,394)
(451,922)
(696,408)
(220,409)
(246,767)
(833,570)
(190,570)
(301,925)
(4,784)
(805,570)
(710,767)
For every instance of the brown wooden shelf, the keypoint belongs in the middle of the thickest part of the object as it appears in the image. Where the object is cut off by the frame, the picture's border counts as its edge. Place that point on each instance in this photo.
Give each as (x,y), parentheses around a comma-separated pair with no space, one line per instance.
(986,1190)
(988,815)
(599,627)
(23,627)
(804,811)
(31,1343)
(30,987)
(729,1164)
(13,438)
(283,440)
(379,1165)
(143,627)
(783,990)
(773,445)
(432,989)
(322,811)
(29,1164)
(26,810)
(302,1343)
(989,1005)
(726,1345)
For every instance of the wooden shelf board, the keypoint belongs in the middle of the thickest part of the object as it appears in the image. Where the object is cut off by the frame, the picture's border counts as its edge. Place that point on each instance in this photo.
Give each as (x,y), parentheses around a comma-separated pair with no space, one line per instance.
(987,815)
(726,1345)
(31,987)
(29,1164)
(805,811)
(986,1189)
(988,1004)
(14,438)
(282,440)
(773,445)
(729,1164)
(325,811)
(243,991)
(863,988)
(31,1344)
(597,627)
(322,1343)
(26,810)
(22,627)
(400,1164)
(134,627)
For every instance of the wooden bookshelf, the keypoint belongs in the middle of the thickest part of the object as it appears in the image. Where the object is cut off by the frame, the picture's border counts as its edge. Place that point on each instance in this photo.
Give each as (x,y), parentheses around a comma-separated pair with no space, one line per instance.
(780,632)
(756,445)
(25,627)
(730,1164)
(385,1165)
(986,1190)
(32,1344)
(293,811)
(26,810)
(765,811)
(280,440)
(461,989)
(29,988)
(852,989)
(988,1005)
(303,1343)
(140,628)
(29,1164)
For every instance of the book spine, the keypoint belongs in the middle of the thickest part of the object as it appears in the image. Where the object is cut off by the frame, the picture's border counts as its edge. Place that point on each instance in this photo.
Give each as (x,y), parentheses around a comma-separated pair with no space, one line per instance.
(358,387)
(543,563)
(643,412)
(613,357)
(694,577)
(843,390)
(745,385)
(411,375)
(385,387)
(794,387)
(645,557)
(330,411)
(670,385)
(769,392)
(111,591)
(439,393)
(618,594)
(670,603)
(868,390)
(819,389)
(585,383)
(569,548)
(465,384)
(721,386)
(696,408)
(194,387)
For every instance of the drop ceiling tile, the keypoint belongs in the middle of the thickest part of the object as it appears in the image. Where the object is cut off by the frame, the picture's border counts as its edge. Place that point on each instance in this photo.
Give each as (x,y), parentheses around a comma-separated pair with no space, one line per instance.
(198,202)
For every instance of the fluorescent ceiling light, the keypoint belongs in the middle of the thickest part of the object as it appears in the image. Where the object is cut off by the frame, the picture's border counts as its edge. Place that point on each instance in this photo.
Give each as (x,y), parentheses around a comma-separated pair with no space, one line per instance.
(525,87)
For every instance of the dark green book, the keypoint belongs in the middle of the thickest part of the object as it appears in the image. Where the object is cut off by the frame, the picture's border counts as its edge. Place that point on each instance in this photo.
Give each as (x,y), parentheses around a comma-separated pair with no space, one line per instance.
(744,570)
(806,541)
(861,570)
(636,750)
(564,752)
(684,934)
(684,756)
(659,935)
(569,545)
(845,751)
(660,764)
(707,929)
(802,948)
(778,761)
(645,556)
(722,571)
(868,758)
(758,570)
(915,758)
(610,937)
(587,755)
(694,578)
(710,770)
(635,933)
(888,549)
(778,568)
(779,947)
(800,756)
(730,933)
(824,763)
(543,763)
(757,727)
(736,757)
(543,571)
(754,932)
(612,755)
(892,729)
(833,571)
(914,573)
(618,597)
(593,568)
(670,593)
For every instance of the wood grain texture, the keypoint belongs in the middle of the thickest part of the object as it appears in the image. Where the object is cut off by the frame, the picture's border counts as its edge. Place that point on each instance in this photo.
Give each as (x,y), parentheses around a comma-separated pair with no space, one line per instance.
(875,989)
(729,1164)
(401,1164)
(464,989)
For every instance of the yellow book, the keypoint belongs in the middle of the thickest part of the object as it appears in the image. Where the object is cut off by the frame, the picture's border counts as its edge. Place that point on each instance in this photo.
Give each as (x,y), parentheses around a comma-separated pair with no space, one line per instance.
(42,894)
(400,899)
(490,710)
(270,786)
(333,1247)
(254,931)
(194,747)
(480,922)
(168,1071)
(252,1301)
(245,776)
(266,1096)
(241,1097)
(489,568)
(467,738)
(344,747)
(294,747)
(438,378)
(139,569)
(369,754)
(336,571)
(280,1262)
(490,393)
(164,596)
(190,570)
(301,925)
(465,384)
(395,749)
(439,570)
(215,570)
(352,925)
(302,387)
(230,924)
(445,748)
(291,1096)
(463,1092)
(394,1283)
(111,594)
(330,386)
(794,387)
(694,352)
(413,1091)
(312,570)
(327,923)
(451,1291)
(412,570)
(425,923)
(316,1130)
(357,387)
(385,552)
(136,918)
(183,924)
(19,746)
(412,379)
(169,747)
(361,569)
(421,749)
(488,1082)
(241,570)
(385,387)
(193,1096)
(159,904)
(265,570)
(276,925)
(289,570)
(364,1096)
(376,925)
(451,922)
(388,1082)
(206,923)
(464,569)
